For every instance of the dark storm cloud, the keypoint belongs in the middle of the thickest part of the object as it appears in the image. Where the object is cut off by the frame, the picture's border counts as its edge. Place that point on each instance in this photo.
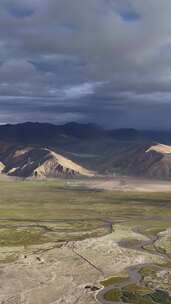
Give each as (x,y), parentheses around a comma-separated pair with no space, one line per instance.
(107,61)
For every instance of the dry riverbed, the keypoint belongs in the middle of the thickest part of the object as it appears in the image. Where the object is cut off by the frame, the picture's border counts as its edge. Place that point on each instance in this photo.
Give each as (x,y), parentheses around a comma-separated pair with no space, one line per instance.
(66,273)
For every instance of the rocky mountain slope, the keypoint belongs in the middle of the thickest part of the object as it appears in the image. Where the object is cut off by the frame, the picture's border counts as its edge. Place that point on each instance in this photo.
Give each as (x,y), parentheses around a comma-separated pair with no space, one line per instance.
(145,160)
(33,149)
(25,161)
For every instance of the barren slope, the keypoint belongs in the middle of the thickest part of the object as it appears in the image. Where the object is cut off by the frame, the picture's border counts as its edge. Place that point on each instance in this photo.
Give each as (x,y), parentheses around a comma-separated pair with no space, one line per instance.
(145,160)
(39,162)
(56,165)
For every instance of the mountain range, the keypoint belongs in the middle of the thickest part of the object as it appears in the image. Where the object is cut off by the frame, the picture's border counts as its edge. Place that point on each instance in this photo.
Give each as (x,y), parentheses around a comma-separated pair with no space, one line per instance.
(30,132)
(47,150)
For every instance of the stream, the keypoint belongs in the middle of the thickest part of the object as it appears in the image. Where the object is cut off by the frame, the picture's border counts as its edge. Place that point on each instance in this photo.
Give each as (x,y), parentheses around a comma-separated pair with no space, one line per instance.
(134,276)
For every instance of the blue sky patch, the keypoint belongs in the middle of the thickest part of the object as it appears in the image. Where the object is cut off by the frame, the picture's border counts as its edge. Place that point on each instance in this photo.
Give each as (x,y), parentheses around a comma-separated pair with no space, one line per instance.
(19,12)
(130,16)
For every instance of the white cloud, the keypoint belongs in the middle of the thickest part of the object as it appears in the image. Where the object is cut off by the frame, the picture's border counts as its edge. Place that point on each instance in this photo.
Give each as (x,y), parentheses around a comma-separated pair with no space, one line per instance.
(81,90)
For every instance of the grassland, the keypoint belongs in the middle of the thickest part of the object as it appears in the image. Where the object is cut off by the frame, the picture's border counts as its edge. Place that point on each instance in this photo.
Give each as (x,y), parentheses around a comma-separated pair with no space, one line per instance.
(42,211)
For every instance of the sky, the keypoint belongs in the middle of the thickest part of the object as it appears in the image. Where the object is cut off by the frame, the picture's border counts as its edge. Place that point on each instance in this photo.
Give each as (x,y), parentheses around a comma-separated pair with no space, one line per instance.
(101,61)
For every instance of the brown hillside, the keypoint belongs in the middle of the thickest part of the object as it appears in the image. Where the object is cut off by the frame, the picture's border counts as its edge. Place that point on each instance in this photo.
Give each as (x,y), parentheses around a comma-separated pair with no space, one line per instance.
(38,162)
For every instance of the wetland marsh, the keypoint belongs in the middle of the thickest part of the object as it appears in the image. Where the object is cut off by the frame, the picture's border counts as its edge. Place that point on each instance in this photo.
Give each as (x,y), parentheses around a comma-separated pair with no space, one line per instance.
(62,242)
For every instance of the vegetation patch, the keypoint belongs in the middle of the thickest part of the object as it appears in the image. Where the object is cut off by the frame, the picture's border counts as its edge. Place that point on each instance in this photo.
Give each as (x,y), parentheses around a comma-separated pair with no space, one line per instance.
(113,295)
(150,270)
(113,280)
(133,288)
(160,296)
(21,237)
(137,295)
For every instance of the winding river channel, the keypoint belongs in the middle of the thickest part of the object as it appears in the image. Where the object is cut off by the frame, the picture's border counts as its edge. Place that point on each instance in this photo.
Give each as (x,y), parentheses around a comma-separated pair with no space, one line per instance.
(132,289)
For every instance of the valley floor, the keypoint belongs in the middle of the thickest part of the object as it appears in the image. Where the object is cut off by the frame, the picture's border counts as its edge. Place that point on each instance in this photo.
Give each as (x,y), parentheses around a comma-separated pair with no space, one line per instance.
(64,242)
(125,183)
(67,274)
